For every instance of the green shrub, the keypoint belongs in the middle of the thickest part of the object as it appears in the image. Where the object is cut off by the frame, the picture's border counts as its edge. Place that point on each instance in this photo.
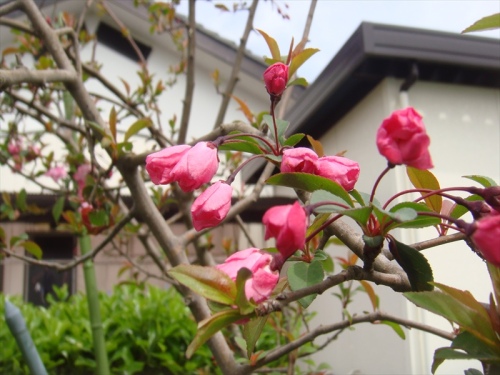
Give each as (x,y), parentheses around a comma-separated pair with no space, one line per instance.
(147,332)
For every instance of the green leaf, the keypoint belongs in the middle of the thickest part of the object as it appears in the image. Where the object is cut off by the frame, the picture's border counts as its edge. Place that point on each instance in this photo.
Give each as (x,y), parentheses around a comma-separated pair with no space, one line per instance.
(69,105)
(396,327)
(281,126)
(209,282)
(309,182)
(485,23)
(58,208)
(252,331)
(473,346)
(475,321)
(301,275)
(272,44)
(99,218)
(300,59)
(472,371)
(32,248)
(421,221)
(361,198)
(323,196)
(414,264)
(242,302)
(112,122)
(442,354)
(294,139)
(210,326)
(241,145)
(136,127)
(298,82)
(21,200)
(483,180)
(423,179)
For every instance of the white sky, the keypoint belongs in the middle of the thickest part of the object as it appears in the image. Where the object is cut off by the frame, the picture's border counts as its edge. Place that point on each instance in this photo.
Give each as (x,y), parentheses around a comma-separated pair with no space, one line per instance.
(335,20)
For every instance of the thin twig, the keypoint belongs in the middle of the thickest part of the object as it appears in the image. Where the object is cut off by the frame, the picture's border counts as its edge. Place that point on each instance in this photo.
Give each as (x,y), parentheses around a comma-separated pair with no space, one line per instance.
(190,69)
(236,65)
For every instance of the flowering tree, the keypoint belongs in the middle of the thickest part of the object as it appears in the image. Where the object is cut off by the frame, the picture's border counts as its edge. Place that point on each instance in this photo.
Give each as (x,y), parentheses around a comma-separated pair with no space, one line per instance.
(251,284)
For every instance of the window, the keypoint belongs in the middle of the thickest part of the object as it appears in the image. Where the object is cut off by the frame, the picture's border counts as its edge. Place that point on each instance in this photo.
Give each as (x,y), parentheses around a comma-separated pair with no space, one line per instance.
(116,41)
(40,280)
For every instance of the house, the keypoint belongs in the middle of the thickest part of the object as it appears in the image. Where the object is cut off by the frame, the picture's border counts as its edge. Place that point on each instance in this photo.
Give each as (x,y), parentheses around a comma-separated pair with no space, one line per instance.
(120,62)
(453,80)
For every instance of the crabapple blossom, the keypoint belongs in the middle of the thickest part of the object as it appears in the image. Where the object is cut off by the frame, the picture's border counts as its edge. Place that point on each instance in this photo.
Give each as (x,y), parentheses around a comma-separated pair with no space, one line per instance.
(196,167)
(260,286)
(402,139)
(80,175)
(342,170)
(288,224)
(486,237)
(212,206)
(299,159)
(56,173)
(276,78)
(159,164)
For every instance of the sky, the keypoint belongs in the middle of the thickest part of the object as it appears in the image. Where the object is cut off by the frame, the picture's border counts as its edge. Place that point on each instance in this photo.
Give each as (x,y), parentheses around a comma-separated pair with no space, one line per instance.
(335,20)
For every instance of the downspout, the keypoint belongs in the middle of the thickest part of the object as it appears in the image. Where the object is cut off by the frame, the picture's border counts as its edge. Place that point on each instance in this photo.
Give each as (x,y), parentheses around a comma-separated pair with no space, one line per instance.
(407,84)
(419,361)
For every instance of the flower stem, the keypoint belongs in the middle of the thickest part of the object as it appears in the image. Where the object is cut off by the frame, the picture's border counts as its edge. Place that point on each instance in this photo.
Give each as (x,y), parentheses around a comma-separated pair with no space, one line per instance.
(384,172)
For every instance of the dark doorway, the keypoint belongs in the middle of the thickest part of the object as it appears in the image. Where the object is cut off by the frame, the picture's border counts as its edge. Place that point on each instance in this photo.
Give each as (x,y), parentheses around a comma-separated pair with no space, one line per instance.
(40,280)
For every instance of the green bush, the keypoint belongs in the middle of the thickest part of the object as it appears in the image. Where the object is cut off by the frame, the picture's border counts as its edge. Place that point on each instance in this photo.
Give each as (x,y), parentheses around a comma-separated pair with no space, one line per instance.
(147,332)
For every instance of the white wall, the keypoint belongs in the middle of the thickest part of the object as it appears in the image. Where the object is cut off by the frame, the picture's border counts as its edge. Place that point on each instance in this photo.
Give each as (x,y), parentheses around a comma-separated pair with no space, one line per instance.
(463,123)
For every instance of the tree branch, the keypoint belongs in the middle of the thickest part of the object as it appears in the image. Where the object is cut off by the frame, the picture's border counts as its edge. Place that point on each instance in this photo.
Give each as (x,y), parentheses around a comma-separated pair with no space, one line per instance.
(374,317)
(39,77)
(190,68)
(236,65)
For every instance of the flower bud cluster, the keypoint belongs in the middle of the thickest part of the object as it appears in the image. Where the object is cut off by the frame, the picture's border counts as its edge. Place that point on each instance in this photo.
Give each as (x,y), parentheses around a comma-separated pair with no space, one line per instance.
(339,169)
(192,167)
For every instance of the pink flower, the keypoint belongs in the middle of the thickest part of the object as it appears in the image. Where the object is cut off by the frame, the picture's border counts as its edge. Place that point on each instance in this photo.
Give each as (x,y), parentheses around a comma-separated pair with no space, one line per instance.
(260,286)
(196,167)
(80,176)
(159,164)
(56,173)
(288,225)
(486,237)
(14,147)
(300,159)
(402,139)
(276,78)
(342,170)
(212,206)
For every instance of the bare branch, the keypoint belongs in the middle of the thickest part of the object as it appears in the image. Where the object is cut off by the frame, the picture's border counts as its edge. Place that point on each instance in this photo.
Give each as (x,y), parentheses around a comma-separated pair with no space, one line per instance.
(188,95)
(236,65)
(9,7)
(374,317)
(39,77)
(438,241)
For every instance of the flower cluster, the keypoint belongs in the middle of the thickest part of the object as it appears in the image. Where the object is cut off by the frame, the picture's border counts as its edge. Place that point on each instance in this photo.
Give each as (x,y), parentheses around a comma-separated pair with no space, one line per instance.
(260,286)
(190,167)
(339,169)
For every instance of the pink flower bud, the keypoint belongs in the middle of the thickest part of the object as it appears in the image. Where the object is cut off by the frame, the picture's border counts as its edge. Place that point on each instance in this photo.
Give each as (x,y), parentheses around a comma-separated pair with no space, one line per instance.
(212,206)
(276,78)
(263,281)
(196,167)
(56,173)
(343,171)
(288,225)
(402,139)
(80,176)
(300,159)
(486,237)
(14,147)
(159,164)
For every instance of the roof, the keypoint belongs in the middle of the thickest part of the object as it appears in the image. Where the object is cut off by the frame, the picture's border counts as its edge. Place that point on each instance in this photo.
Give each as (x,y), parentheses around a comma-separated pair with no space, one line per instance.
(376,51)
